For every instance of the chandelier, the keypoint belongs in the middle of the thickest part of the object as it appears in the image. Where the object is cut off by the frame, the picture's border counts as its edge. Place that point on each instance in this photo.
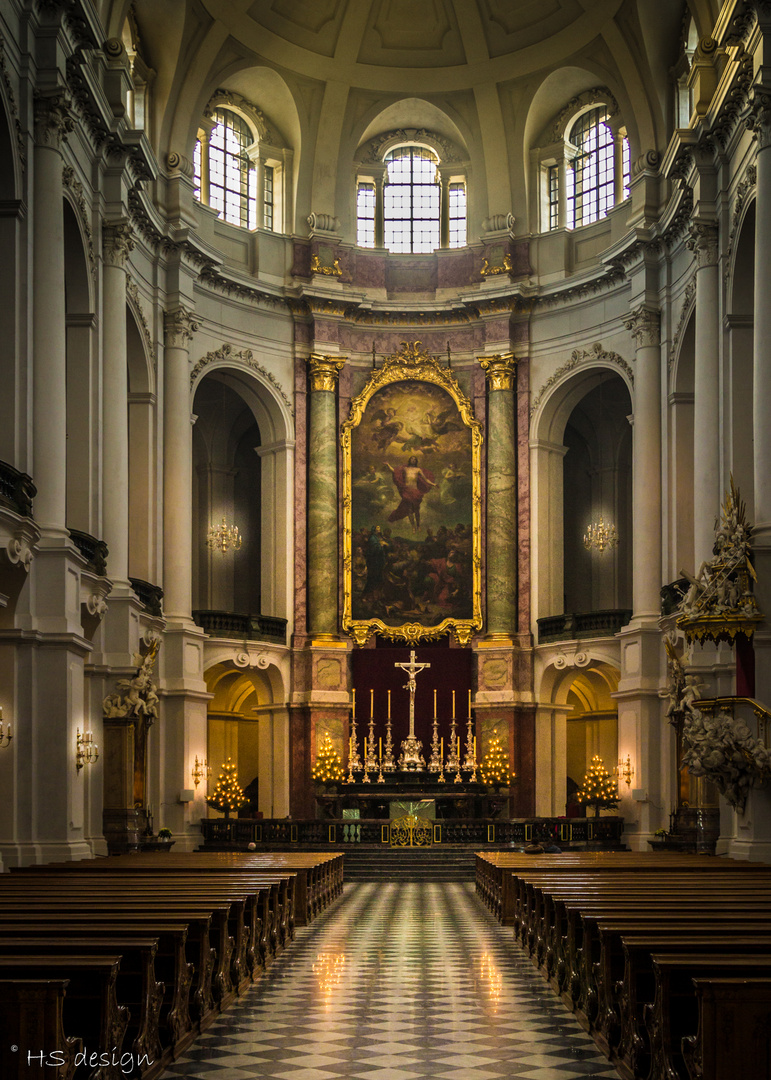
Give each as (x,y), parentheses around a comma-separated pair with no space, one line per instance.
(224,537)
(599,535)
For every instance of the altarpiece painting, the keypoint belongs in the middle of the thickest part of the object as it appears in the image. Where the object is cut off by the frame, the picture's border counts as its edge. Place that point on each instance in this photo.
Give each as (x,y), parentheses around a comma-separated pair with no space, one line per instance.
(412,504)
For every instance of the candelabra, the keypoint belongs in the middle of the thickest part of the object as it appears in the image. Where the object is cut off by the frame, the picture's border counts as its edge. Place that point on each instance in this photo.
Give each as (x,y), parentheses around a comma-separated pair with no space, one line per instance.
(354,761)
(224,537)
(380,777)
(5,735)
(599,535)
(435,761)
(86,750)
(389,763)
(470,762)
(201,769)
(452,765)
(371,762)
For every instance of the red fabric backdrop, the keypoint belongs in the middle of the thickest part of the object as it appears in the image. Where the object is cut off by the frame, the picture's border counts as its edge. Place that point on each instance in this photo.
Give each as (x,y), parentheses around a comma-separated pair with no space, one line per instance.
(373,669)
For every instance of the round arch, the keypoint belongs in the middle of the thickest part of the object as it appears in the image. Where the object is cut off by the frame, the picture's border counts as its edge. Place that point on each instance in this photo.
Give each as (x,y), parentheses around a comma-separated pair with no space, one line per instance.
(248,722)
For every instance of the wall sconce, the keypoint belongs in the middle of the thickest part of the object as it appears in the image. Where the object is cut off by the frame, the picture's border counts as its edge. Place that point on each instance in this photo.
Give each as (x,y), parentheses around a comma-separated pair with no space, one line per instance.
(87,752)
(5,735)
(625,770)
(200,770)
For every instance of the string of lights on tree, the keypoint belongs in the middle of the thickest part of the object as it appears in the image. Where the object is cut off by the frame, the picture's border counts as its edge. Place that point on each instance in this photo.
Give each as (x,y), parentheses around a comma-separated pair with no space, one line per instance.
(600,788)
(329,767)
(494,767)
(228,794)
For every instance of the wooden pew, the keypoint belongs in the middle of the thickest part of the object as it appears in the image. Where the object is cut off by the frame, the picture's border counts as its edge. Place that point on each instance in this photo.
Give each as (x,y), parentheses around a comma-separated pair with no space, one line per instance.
(137,988)
(732,1038)
(674,1012)
(35,1007)
(90,1006)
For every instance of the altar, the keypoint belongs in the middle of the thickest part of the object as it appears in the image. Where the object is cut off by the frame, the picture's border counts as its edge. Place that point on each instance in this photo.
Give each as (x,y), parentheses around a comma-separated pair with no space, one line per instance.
(404,793)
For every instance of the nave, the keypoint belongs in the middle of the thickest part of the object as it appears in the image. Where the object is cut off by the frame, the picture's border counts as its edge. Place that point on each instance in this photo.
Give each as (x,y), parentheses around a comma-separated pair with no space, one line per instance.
(395,982)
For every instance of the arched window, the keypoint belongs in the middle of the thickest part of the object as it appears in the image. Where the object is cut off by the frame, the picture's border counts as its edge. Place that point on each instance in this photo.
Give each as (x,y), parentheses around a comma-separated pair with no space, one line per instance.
(225,176)
(412,204)
(587,171)
(591,173)
(411,200)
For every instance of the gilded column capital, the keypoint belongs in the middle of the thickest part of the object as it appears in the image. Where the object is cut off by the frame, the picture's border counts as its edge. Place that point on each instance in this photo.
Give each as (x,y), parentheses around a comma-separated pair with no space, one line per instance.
(179,326)
(758,118)
(501,369)
(645,326)
(325,370)
(703,242)
(117,242)
(53,119)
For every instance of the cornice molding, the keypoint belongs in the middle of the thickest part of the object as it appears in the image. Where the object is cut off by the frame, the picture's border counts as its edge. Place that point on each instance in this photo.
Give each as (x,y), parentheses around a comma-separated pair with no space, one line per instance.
(228,355)
(577,358)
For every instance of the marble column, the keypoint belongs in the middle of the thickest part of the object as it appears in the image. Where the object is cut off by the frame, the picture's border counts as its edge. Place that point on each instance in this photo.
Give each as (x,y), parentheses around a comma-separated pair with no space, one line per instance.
(707,494)
(323,497)
(179,328)
(501,495)
(117,244)
(646,477)
(49,375)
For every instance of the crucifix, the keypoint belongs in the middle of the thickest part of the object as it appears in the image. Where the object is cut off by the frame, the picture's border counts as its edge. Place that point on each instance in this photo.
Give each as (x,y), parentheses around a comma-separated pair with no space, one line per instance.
(411,756)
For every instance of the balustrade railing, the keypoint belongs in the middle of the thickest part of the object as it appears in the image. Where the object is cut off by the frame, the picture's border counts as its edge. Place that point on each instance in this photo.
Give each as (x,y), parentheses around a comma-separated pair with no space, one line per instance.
(583,624)
(94,551)
(232,624)
(238,832)
(16,490)
(149,595)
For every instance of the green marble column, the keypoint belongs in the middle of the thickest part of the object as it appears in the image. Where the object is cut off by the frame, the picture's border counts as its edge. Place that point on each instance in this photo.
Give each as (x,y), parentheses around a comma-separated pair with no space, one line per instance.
(501,496)
(323,497)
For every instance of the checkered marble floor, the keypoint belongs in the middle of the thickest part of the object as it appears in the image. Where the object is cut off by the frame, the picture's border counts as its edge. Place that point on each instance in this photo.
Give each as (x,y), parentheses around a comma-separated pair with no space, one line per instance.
(395,982)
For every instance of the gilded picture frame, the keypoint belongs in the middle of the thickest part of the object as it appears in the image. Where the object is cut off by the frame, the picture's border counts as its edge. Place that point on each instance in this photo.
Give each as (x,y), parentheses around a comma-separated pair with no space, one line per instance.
(412,453)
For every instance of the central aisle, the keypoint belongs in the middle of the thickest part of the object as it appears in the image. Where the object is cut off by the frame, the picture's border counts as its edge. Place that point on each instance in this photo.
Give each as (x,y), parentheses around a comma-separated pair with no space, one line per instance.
(395,982)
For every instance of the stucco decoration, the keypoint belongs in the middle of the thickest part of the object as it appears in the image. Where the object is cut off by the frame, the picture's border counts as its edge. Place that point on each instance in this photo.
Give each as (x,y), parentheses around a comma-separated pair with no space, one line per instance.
(599,95)
(578,357)
(256,117)
(75,188)
(134,302)
(689,302)
(723,749)
(228,354)
(376,149)
(12,106)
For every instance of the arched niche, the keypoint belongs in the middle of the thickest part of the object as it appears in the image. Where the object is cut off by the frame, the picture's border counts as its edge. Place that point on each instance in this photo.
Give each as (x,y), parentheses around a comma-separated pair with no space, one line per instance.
(13,447)
(739,374)
(83,388)
(681,444)
(258,424)
(576,718)
(247,722)
(560,518)
(143,451)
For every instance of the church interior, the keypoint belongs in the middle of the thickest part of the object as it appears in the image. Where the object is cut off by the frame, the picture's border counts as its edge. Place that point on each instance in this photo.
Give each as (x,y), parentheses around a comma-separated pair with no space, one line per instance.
(384,431)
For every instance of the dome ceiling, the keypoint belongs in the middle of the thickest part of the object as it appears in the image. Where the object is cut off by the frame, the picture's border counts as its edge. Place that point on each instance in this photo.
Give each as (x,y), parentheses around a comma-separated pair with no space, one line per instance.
(363,37)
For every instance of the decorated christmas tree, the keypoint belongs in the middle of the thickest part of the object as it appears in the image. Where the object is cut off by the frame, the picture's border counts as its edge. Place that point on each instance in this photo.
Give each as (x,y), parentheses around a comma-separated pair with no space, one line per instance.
(494,767)
(227,795)
(328,768)
(600,788)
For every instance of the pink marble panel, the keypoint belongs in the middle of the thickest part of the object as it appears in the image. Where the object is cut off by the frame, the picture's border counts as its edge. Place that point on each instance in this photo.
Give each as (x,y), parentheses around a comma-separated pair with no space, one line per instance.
(301,496)
(523,493)
(301,260)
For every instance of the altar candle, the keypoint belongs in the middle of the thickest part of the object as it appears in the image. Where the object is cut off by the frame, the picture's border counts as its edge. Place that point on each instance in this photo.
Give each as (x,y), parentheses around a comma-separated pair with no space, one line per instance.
(353,703)
(469,704)
(459,747)
(453,704)
(371,704)
(441,747)
(380,749)
(434,704)
(475,748)
(365,748)
(389,704)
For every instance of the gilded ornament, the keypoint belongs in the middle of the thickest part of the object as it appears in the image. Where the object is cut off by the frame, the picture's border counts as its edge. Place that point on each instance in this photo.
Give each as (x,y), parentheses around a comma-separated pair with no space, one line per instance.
(325,371)
(505,268)
(330,271)
(412,363)
(501,370)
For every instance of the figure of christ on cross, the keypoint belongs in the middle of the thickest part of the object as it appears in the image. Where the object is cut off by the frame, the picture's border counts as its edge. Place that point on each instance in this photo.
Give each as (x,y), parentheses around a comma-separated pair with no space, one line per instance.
(411,669)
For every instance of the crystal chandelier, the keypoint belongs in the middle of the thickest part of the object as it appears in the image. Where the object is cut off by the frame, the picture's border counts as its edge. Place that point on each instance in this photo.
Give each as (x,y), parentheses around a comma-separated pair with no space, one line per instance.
(599,535)
(224,537)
